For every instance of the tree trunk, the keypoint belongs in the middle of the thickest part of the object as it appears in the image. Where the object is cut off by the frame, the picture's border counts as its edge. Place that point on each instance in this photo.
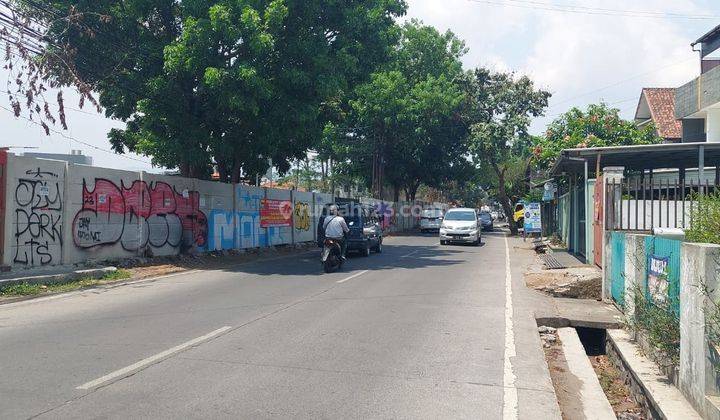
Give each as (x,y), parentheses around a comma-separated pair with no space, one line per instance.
(222,168)
(505,200)
(396,193)
(184,169)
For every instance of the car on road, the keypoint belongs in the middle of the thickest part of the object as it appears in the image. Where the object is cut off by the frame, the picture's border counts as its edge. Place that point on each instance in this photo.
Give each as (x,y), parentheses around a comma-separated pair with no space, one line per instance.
(430,220)
(486,221)
(365,234)
(460,225)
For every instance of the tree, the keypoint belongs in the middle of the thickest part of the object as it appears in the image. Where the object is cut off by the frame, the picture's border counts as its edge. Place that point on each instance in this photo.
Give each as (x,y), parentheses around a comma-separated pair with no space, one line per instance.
(233,82)
(598,126)
(407,121)
(499,109)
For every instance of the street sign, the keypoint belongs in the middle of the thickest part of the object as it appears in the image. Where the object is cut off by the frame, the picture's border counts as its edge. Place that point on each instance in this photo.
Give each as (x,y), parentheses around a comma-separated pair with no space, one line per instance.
(533,219)
(549,191)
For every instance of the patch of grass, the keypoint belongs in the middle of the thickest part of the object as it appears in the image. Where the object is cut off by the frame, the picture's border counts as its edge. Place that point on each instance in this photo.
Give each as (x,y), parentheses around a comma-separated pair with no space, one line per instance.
(26,289)
(661,326)
(23,289)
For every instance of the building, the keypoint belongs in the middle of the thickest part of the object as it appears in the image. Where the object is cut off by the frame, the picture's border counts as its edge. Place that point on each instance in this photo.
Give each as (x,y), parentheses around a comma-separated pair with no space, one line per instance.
(697,103)
(75,156)
(657,106)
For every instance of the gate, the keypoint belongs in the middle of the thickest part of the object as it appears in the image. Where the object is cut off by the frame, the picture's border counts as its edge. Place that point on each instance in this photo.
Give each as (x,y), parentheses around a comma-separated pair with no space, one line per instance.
(617,262)
(598,221)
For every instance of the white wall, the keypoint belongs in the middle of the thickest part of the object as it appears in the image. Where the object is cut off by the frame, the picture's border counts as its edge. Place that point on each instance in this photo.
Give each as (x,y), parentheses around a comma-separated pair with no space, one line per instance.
(60,213)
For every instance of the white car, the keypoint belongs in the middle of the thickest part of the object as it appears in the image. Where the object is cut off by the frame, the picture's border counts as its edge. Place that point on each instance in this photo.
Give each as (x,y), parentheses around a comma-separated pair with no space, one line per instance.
(431,220)
(460,225)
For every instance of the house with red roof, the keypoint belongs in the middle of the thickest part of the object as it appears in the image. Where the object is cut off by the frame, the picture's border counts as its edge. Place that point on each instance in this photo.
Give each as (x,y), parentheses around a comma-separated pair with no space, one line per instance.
(657,106)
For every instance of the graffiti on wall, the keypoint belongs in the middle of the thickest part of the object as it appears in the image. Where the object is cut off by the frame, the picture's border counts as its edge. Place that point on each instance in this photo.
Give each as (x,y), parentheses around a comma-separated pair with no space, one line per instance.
(138,216)
(38,218)
(302,216)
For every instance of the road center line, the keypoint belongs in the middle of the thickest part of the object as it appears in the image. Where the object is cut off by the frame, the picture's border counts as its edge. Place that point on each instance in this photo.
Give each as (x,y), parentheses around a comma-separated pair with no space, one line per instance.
(411,253)
(136,367)
(510,397)
(353,276)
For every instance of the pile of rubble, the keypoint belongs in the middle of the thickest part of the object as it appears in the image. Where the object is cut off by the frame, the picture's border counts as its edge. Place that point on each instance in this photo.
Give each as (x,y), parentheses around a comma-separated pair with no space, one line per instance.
(548,335)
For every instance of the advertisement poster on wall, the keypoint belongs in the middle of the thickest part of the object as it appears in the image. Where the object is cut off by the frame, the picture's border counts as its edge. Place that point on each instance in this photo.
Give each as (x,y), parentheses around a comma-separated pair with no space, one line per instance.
(533,220)
(275,213)
(658,278)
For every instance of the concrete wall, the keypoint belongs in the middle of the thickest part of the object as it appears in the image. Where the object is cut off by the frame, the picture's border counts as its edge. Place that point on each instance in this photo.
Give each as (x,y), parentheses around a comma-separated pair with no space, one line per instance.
(699,274)
(698,377)
(61,213)
(657,213)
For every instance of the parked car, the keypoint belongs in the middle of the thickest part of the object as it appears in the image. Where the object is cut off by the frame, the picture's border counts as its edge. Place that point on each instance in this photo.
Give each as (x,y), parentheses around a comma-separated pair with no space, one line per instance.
(366,233)
(486,221)
(460,225)
(431,220)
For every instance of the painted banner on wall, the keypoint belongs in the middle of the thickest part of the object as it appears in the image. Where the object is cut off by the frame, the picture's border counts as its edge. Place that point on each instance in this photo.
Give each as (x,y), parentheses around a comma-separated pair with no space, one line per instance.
(658,278)
(275,213)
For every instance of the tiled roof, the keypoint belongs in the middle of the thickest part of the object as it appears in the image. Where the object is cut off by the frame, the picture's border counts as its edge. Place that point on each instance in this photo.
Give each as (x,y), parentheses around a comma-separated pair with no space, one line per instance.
(661,102)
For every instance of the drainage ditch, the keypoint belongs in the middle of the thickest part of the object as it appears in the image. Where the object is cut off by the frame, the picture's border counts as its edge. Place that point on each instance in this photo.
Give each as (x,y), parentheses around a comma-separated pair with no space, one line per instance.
(567,385)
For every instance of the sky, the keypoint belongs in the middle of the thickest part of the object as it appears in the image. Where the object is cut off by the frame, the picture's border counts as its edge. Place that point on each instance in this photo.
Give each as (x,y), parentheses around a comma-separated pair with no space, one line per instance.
(596,51)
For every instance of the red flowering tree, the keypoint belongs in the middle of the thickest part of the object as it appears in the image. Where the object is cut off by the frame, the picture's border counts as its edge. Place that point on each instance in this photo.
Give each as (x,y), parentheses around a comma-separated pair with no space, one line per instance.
(598,126)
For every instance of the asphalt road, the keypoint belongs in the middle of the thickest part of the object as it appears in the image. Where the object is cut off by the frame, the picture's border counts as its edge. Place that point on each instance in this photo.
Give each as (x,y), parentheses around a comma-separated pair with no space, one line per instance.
(420,331)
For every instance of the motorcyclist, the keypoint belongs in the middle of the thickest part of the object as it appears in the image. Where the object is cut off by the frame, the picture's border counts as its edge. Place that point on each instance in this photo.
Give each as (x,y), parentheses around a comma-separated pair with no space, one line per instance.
(336,228)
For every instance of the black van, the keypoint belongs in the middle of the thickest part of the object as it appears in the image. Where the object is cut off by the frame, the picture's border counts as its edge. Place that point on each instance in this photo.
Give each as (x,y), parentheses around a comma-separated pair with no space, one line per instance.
(365,234)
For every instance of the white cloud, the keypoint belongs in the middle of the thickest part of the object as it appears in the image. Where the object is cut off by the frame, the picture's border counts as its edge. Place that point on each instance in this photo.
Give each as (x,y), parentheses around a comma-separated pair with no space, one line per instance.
(581,58)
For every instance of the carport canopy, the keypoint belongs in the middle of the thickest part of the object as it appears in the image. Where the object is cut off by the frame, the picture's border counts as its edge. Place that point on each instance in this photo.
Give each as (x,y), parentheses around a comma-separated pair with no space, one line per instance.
(638,158)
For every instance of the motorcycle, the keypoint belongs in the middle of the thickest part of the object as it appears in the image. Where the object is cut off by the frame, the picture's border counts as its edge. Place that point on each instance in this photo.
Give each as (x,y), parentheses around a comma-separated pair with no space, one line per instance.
(331,258)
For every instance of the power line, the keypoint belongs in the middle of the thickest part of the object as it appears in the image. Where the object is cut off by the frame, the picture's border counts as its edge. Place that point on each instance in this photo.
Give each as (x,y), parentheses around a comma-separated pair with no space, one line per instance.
(586,10)
(618,83)
(92,146)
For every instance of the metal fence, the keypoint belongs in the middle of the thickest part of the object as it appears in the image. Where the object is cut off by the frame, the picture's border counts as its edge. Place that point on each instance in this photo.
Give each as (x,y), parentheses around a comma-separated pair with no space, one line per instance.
(642,205)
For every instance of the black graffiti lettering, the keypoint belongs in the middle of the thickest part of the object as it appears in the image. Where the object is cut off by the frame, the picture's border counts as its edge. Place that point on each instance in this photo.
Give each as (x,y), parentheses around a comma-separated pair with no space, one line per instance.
(38,218)
(33,252)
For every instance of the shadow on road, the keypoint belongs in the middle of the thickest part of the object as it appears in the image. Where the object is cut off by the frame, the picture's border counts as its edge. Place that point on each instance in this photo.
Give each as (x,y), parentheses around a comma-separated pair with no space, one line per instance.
(393,256)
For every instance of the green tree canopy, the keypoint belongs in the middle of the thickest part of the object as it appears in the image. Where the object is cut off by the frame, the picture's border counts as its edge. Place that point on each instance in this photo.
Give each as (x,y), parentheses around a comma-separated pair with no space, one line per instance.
(407,117)
(598,126)
(234,81)
(499,112)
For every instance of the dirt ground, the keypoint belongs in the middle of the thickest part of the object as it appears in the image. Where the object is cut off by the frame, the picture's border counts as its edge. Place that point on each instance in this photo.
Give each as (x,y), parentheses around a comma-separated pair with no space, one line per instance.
(566,385)
(574,282)
(617,392)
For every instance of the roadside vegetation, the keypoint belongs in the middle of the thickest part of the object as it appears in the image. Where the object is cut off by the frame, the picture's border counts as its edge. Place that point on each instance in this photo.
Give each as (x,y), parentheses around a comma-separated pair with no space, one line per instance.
(26,289)
(705,217)
(659,325)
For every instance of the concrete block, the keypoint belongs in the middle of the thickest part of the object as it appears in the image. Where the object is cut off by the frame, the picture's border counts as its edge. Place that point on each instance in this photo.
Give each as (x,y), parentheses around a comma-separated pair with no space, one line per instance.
(635,269)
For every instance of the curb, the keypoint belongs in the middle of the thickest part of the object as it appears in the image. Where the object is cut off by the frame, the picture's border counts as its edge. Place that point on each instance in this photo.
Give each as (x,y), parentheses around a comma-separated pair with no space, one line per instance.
(665,401)
(57,278)
(594,401)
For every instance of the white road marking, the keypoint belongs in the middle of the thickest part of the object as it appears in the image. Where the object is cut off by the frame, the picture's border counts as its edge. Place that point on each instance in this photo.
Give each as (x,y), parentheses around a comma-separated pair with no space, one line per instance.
(353,276)
(412,253)
(510,400)
(136,367)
